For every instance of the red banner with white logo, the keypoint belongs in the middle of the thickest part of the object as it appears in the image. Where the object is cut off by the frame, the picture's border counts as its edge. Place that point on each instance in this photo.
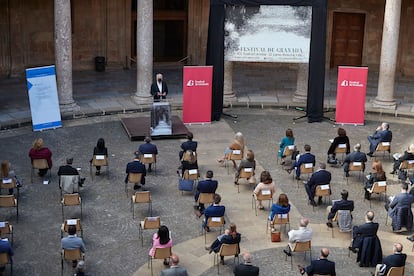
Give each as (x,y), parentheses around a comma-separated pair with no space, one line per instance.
(197,91)
(351,91)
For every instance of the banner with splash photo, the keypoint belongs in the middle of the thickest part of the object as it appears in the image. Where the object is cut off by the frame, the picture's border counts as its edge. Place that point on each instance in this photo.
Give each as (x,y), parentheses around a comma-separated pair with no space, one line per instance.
(268,33)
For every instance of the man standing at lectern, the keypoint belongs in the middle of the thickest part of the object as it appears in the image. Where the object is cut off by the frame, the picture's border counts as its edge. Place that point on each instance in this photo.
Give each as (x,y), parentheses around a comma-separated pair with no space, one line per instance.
(159,89)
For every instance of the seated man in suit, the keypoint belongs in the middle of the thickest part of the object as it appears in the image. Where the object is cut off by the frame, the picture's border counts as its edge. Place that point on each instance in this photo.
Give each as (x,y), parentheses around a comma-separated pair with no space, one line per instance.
(73,242)
(246,268)
(401,200)
(368,229)
(397,259)
(69,185)
(355,156)
(214,210)
(321,266)
(135,166)
(301,235)
(408,155)
(175,269)
(148,148)
(381,134)
(320,177)
(343,204)
(307,157)
(205,186)
(188,145)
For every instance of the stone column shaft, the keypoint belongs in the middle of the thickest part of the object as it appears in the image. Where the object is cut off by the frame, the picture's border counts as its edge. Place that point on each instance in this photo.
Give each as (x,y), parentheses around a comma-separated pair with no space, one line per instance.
(389,51)
(301,93)
(144,50)
(228,92)
(63,53)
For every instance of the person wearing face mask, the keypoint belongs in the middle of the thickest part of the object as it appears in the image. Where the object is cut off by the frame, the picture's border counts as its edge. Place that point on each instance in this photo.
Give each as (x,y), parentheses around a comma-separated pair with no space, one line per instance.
(159,89)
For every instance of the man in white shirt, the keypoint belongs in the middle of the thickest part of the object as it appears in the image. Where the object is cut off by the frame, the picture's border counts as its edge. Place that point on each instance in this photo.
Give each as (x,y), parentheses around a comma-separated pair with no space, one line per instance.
(301,235)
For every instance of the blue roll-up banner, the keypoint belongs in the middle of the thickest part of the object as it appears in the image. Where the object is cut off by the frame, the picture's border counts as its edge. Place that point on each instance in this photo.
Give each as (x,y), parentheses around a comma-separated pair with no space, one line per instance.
(43,98)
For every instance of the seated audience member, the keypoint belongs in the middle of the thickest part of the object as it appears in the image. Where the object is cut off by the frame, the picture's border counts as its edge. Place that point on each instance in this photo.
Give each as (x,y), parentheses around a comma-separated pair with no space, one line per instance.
(7,173)
(238,144)
(368,229)
(400,201)
(304,158)
(161,239)
(320,177)
(266,183)
(355,156)
(321,266)
(281,207)
(381,134)
(249,162)
(408,155)
(73,242)
(188,145)
(340,139)
(206,186)
(214,210)
(230,236)
(38,151)
(174,269)
(246,268)
(5,247)
(135,166)
(67,169)
(288,140)
(397,259)
(188,162)
(148,148)
(342,204)
(80,269)
(303,234)
(376,175)
(100,149)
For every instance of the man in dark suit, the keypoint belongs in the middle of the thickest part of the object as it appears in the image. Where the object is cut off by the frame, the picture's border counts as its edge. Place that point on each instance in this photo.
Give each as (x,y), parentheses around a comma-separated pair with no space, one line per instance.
(159,88)
(320,177)
(246,269)
(214,210)
(408,155)
(321,266)
(148,148)
(188,145)
(403,200)
(175,269)
(206,186)
(381,134)
(343,204)
(304,158)
(397,259)
(368,229)
(69,170)
(355,156)
(135,166)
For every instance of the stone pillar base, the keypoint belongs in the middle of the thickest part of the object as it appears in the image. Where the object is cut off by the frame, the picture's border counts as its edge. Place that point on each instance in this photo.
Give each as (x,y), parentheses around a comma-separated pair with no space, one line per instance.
(70,107)
(384,104)
(298,98)
(142,100)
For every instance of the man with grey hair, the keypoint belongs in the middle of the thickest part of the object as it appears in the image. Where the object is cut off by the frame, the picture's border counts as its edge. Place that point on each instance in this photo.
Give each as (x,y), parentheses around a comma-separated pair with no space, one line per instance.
(303,234)
(175,269)
(355,156)
(381,134)
(397,259)
(246,269)
(159,88)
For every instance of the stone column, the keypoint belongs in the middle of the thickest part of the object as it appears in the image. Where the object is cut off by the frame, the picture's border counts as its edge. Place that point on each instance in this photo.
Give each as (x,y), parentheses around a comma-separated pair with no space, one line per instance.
(301,93)
(389,50)
(228,93)
(144,51)
(63,55)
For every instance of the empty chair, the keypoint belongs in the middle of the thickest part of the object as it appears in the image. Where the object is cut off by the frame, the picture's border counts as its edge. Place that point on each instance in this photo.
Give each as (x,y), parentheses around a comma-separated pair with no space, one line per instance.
(301,247)
(9,201)
(71,200)
(134,178)
(148,223)
(65,225)
(160,254)
(71,255)
(227,250)
(141,197)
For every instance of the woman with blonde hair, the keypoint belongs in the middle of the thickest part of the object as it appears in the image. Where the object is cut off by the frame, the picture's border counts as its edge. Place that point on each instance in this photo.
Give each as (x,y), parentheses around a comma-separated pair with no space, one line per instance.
(376,175)
(188,162)
(238,144)
(266,183)
(6,173)
(230,236)
(38,151)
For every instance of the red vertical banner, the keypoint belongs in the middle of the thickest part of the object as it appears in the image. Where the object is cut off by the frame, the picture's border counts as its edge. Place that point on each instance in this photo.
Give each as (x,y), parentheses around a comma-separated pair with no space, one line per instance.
(351,91)
(197,93)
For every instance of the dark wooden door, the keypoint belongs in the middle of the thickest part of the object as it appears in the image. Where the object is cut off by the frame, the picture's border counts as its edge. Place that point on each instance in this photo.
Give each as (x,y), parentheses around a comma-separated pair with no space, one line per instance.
(347,39)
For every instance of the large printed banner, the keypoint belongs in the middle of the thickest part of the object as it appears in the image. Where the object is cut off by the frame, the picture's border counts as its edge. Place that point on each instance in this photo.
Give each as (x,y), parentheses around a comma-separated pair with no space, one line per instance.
(43,98)
(351,91)
(197,93)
